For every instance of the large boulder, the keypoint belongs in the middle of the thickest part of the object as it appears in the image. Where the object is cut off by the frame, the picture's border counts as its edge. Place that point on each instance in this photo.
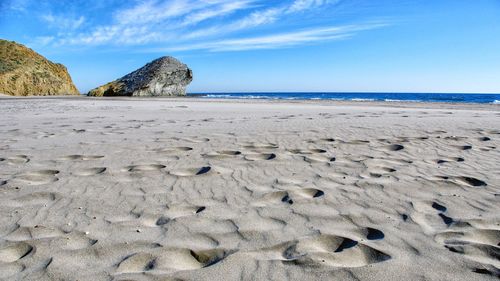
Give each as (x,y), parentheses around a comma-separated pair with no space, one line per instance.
(23,72)
(165,76)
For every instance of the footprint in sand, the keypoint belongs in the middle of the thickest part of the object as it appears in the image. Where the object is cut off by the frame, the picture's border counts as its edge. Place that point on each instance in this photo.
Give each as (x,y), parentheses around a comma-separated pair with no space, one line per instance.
(374,234)
(229,152)
(463,181)
(144,168)
(327,140)
(289,181)
(455,138)
(260,156)
(318,159)
(16,160)
(90,171)
(76,157)
(137,263)
(33,199)
(37,177)
(320,141)
(323,250)
(170,260)
(430,216)
(170,150)
(470,181)
(380,170)
(488,148)
(15,252)
(307,151)
(26,233)
(450,159)
(196,140)
(394,147)
(73,241)
(255,145)
(276,197)
(307,193)
(479,245)
(223,154)
(178,211)
(291,196)
(438,207)
(187,172)
(464,147)
(356,142)
(205,258)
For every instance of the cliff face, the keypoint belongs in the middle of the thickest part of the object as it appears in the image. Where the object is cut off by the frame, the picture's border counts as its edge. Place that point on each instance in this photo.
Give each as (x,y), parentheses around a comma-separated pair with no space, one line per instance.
(165,76)
(23,72)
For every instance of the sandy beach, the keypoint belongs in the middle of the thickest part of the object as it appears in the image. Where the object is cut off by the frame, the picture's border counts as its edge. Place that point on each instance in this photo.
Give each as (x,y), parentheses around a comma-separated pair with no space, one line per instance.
(199,189)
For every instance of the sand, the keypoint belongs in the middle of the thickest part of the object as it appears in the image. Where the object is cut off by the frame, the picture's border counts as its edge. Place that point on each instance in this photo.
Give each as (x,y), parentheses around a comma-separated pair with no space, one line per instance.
(194,189)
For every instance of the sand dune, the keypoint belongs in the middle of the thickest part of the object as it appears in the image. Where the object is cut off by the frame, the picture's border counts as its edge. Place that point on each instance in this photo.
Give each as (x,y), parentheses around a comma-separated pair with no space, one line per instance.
(190,189)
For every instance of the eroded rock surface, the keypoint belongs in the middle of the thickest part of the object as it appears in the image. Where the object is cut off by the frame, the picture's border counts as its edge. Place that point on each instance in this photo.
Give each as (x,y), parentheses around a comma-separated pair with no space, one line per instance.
(165,76)
(24,72)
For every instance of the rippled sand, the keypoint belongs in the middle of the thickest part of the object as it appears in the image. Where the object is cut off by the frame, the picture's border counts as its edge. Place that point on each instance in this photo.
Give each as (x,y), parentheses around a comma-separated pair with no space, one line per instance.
(191,189)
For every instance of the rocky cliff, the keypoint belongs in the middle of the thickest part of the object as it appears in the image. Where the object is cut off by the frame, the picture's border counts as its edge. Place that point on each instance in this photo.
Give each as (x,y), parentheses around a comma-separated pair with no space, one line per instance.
(23,72)
(165,76)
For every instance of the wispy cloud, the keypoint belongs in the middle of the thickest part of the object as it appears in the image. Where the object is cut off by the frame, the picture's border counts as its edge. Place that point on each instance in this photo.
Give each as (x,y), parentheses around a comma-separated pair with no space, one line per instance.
(153,21)
(212,25)
(221,10)
(302,5)
(63,22)
(44,40)
(258,18)
(152,12)
(14,5)
(255,19)
(281,40)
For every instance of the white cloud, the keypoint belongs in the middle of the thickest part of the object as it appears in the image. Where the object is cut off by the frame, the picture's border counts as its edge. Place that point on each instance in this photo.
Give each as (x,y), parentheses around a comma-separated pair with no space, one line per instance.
(156,21)
(280,40)
(181,24)
(194,11)
(221,10)
(43,40)
(253,20)
(302,5)
(152,11)
(14,5)
(63,22)
(260,17)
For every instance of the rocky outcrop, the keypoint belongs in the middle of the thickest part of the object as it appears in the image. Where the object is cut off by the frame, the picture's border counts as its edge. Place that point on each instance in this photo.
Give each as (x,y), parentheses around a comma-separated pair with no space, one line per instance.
(165,76)
(23,72)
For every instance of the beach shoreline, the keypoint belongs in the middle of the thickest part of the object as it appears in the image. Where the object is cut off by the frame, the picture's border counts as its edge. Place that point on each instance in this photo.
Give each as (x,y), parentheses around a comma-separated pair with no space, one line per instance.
(324,102)
(215,189)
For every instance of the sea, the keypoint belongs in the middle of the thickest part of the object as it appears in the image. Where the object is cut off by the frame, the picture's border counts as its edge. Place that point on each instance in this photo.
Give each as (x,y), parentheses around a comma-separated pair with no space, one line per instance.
(387,97)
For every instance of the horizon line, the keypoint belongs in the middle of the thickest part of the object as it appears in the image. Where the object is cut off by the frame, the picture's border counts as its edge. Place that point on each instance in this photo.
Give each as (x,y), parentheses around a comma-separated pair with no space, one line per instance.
(341,92)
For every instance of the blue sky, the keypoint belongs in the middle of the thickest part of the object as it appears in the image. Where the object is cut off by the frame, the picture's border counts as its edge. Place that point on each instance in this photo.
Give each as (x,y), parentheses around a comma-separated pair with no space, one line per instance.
(254,45)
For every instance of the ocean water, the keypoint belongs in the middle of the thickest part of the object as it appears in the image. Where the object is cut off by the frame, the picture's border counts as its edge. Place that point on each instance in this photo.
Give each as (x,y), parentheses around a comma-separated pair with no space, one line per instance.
(407,97)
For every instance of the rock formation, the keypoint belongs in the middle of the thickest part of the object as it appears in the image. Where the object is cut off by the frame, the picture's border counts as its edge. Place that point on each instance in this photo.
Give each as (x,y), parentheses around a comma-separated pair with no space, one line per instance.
(23,72)
(165,76)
